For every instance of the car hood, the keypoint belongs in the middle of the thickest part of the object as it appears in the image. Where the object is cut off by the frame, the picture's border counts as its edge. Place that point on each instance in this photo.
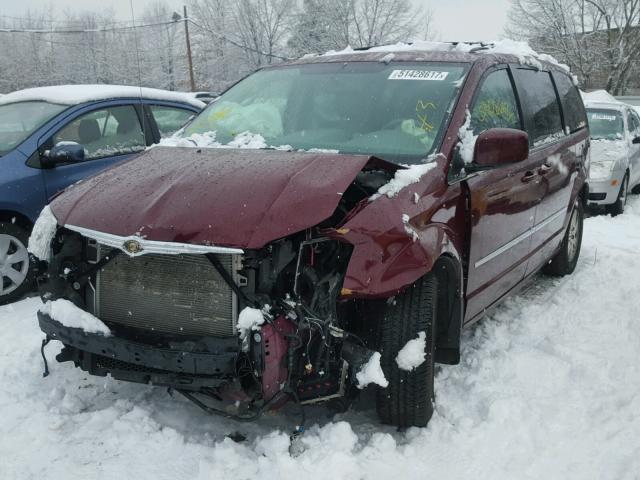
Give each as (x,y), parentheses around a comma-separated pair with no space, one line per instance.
(226,197)
(607,156)
(605,151)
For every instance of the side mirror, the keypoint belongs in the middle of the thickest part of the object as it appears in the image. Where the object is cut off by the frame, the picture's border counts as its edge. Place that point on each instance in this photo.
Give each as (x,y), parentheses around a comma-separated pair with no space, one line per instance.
(635,140)
(63,152)
(500,146)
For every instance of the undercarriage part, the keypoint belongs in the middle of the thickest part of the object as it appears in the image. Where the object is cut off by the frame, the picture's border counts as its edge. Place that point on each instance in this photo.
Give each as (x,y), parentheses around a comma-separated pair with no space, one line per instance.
(220,362)
(321,388)
(275,345)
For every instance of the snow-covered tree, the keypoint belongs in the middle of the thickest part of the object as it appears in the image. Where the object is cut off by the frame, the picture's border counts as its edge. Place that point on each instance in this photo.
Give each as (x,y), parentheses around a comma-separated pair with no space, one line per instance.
(599,39)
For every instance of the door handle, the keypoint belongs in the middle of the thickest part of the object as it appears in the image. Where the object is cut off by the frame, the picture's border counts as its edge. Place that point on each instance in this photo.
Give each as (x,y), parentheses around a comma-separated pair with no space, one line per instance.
(529,176)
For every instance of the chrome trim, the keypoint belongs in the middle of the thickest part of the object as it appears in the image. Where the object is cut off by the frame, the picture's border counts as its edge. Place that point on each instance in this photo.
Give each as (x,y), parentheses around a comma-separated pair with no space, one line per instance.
(151,246)
(519,238)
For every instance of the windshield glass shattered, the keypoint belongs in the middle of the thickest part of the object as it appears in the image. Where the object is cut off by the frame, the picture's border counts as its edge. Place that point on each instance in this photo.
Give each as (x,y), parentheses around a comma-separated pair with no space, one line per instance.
(395,111)
(605,124)
(19,120)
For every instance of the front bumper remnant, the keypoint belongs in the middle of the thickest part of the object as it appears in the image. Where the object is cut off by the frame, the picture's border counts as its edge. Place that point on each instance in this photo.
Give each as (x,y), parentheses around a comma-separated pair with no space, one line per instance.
(141,363)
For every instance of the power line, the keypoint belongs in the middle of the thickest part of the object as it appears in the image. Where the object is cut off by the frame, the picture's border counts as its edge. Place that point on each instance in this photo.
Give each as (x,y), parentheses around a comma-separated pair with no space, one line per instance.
(71,22)
(86,30)
(133,27)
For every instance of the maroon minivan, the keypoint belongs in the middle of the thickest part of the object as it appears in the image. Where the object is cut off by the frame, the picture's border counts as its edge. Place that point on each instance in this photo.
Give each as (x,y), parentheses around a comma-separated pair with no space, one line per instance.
(385,200)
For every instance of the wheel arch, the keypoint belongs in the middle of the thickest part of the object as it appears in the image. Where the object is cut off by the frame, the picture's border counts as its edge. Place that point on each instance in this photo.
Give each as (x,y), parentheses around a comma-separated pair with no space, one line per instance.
(11,216)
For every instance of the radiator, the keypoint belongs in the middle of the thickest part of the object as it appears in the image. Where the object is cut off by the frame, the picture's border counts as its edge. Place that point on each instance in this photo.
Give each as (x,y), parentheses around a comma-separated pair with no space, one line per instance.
(172,294)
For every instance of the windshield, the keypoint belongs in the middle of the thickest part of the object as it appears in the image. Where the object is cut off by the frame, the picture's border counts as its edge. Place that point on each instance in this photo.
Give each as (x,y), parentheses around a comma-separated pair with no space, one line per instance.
(605,124)
(395,111)
(19,120)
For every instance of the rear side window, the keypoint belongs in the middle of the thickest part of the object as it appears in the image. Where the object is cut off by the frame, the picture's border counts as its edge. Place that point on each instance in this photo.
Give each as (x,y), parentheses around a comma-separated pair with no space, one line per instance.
(169,119)
(105,133)
(540,106)
(632,123)
(495,106)
(575,116)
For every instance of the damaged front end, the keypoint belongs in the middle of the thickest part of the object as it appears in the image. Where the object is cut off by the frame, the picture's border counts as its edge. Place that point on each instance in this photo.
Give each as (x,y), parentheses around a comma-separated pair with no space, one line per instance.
(236,330)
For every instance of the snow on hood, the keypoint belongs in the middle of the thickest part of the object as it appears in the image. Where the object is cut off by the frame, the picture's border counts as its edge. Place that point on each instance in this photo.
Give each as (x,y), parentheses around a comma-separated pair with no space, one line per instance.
(403,178)
(599,96)
(221,196)
(247,140)
(526,55)
(608,150)
(605,155)
(76,94)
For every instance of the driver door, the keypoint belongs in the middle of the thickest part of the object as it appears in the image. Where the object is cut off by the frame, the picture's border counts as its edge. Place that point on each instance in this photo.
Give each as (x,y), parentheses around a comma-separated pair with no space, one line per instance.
(108,135)
(503,203)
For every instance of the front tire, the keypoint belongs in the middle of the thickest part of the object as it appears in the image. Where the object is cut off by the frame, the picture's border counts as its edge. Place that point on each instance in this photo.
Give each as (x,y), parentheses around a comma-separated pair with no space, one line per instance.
(16,276)
(565,261)
(617,208)
(408,400)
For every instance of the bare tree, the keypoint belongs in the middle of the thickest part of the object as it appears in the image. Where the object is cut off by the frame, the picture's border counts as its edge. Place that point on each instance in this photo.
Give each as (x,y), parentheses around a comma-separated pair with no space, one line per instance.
(598,39)
(261,26)
(163,52)
(322,25)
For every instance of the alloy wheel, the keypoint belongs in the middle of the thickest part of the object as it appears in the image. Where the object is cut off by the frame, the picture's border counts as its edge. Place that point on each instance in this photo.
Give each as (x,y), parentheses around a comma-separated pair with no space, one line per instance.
(572,240)
(14,264)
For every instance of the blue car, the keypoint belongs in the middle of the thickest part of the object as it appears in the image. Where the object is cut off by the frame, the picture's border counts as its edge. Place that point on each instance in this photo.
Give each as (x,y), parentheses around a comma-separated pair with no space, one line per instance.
(52,137)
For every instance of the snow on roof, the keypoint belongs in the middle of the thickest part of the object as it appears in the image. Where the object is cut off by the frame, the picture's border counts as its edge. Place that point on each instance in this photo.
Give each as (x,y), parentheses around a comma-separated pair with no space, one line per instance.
(526,55)
(600,96)
(76,94)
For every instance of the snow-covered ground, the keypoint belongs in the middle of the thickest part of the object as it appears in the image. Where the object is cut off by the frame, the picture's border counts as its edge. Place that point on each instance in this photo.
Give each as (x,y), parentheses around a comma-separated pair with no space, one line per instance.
(549,387)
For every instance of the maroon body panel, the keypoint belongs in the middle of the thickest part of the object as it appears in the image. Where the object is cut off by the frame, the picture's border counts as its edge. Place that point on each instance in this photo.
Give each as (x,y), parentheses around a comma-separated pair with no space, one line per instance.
(387,256)
(237,198)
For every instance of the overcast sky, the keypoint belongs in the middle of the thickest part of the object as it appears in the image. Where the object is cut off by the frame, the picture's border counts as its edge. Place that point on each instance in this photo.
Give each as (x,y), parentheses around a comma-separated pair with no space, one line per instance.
(464,20)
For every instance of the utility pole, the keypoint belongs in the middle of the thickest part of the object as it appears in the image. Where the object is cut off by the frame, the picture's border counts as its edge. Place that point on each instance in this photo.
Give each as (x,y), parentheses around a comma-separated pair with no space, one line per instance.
(186,32)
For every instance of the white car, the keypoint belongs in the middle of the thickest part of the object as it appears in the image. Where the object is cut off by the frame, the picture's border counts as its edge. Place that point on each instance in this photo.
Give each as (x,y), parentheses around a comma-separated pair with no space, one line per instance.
(615,151)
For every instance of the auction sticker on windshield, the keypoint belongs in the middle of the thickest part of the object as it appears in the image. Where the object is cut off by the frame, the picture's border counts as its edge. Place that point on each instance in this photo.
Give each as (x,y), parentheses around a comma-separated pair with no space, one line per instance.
(418,75)
(602,116)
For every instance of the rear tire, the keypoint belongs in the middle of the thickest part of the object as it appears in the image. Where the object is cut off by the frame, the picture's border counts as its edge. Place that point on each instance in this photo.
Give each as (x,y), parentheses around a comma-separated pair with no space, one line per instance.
(565,261)
(617,208)
(408,400)
(16,274)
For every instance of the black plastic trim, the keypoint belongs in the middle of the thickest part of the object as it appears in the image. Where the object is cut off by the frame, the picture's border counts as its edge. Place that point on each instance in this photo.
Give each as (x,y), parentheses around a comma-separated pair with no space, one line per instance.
(220,363)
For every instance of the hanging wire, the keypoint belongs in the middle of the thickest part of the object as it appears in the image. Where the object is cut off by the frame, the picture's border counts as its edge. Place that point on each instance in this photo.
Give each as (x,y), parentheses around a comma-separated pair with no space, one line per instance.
(238,44)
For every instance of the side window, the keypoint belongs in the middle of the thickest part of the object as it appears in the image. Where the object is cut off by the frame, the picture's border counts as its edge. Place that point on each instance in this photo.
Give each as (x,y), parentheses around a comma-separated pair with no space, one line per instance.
(495,106)
(105,133)
(540,106)
(632,123)
(636,119)
(170,119)
(575,116)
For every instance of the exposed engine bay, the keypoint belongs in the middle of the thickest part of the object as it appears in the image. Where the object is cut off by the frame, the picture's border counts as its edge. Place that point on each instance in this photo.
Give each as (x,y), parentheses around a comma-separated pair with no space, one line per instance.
(177,320)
